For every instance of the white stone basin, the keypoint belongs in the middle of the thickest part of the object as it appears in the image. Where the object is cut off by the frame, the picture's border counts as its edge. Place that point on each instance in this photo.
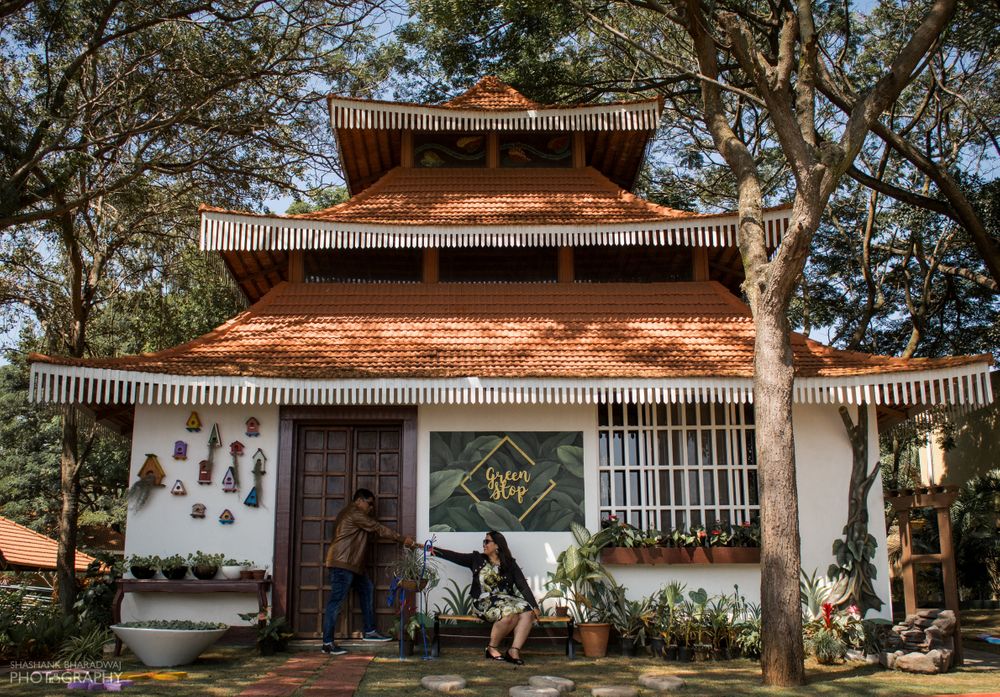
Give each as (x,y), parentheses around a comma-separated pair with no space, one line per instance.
(159,648)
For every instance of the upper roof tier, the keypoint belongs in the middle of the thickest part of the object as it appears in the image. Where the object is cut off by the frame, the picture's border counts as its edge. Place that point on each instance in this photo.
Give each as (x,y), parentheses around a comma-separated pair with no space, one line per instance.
(480,208)
(370,132)
(454,342)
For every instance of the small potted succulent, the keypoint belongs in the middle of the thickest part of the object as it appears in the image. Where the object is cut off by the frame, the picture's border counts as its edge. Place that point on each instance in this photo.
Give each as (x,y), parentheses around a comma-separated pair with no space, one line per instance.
(174,567)
(273,633)
(205,566)
(143,567)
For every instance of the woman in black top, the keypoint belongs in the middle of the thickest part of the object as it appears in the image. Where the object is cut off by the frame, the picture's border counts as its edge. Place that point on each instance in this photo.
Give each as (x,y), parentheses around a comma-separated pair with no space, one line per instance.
(499,594)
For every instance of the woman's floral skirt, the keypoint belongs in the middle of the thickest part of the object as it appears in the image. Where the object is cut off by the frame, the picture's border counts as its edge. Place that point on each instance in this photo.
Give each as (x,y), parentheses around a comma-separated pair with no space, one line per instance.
(495,606)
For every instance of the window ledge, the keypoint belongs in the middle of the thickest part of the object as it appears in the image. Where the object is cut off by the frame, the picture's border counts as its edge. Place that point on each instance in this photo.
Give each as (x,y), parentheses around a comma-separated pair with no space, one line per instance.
(626,556)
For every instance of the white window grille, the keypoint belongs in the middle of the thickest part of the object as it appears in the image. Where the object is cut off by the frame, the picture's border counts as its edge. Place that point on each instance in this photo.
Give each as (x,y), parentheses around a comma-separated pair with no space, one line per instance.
(668,466)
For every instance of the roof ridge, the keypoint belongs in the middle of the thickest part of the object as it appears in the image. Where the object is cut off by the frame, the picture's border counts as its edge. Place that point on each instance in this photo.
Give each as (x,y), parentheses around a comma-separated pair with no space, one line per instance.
(490,89)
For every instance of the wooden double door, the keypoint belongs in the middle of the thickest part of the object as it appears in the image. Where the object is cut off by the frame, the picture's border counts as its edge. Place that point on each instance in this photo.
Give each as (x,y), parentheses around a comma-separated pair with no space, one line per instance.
(332,461)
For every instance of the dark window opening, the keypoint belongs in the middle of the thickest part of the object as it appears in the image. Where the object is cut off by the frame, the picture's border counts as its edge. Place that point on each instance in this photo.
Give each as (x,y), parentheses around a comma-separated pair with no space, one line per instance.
(363,265)
(649,264)
(489,265)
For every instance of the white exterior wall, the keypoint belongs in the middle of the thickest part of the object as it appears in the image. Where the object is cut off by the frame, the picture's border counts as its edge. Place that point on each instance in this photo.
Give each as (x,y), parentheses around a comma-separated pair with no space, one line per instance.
(164,525)
(823,466)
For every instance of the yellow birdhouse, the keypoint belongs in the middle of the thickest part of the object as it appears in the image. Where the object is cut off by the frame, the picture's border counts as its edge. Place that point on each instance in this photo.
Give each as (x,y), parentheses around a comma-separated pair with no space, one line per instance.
(194,422)
(151,470)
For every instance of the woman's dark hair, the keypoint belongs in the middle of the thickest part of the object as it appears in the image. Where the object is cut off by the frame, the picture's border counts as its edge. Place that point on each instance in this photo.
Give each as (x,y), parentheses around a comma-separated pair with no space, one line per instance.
(507,562)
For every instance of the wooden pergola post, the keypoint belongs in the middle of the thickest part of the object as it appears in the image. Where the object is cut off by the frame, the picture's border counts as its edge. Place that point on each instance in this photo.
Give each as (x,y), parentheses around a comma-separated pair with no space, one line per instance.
(940,499)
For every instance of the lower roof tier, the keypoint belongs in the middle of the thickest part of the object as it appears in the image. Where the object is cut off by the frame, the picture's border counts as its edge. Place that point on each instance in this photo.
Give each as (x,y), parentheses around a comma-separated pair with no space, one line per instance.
(452,342)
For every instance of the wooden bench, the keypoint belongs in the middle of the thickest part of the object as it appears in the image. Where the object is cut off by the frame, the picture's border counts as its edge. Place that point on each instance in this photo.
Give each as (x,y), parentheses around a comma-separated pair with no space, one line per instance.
(469,622)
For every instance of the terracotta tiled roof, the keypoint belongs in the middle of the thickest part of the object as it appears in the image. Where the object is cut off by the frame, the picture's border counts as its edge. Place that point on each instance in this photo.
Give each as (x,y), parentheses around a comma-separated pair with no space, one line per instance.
(24,548)
(490,93)
(330,331)
(496,197)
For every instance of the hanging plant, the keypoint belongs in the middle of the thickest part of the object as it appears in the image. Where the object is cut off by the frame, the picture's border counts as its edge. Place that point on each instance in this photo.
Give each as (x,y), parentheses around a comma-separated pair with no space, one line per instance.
(138,493)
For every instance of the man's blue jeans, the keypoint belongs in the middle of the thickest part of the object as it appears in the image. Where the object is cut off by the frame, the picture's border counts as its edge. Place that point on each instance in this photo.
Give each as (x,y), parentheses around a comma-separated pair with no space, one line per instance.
(341,582)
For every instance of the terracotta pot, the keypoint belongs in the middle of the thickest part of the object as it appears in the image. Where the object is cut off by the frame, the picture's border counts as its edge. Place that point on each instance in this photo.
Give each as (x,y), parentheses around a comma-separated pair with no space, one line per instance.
(412,584)
(594,636)
(628,556)
(258,574)
(562,611)
(246,574)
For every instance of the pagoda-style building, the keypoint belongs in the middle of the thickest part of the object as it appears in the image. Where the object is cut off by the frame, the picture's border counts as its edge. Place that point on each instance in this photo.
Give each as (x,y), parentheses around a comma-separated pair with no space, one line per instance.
(492,333)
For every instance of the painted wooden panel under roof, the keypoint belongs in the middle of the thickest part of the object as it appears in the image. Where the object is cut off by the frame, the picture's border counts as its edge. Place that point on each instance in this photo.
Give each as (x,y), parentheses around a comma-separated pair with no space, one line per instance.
(369,132)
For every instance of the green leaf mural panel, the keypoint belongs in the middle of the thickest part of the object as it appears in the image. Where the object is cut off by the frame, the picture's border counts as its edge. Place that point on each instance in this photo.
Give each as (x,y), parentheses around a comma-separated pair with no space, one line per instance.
(506,480)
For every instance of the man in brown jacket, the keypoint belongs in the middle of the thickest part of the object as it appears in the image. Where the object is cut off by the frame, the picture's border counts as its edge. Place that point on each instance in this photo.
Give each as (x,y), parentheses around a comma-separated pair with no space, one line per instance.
(352,530)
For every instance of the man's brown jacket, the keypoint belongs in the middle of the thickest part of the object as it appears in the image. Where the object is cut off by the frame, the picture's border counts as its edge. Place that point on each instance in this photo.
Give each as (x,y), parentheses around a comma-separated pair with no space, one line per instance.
(351,531)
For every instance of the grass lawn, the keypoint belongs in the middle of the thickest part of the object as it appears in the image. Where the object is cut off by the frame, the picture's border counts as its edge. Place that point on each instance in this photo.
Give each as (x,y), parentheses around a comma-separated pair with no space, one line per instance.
(976,622)
(224,671)
(220,671)
(390,677)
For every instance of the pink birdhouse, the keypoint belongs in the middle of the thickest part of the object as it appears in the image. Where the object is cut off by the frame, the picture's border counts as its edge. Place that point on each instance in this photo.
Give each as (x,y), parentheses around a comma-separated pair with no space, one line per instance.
(235,448)
(253,427)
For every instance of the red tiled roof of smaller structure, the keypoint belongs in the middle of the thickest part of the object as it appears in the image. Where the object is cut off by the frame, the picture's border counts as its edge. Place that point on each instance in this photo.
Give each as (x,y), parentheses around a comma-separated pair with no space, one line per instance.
(492,94)
(23,548)
(535,330)
(494,197)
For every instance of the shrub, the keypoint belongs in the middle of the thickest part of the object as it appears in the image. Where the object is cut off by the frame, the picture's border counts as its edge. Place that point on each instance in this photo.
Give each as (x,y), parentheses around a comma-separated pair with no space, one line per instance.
(29,629)
(827,646)
(174,624)
(86,645)
(97,592)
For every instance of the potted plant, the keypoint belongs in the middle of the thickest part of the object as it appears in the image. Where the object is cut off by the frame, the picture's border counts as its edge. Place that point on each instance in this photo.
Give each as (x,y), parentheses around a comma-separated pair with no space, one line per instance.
(163,643)
(173,567)
(629,618)
(580,577)
(668,603)
(205,566)
(143,567)
(415,571)
(230,569)
(248,569)
(273,633)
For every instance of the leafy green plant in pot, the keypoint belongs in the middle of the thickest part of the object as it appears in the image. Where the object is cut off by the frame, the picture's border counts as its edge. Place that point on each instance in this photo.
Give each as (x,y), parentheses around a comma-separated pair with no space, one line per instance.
(582,579)
(699,606)
(628,617)
(174,567)
(143,567)
(667,606)
(205,566)
(415,571)
(273,633)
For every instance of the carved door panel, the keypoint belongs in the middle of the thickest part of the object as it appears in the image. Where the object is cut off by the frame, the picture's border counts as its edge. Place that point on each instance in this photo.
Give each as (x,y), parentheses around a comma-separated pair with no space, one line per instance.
(332,461)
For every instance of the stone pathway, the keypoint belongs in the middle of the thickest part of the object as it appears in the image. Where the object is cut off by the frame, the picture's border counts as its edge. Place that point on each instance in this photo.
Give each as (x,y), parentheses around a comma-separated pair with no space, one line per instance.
(316,674)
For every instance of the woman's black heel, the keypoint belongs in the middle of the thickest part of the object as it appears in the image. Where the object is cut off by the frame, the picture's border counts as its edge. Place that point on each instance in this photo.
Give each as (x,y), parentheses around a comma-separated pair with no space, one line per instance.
(491,657)
(510,659)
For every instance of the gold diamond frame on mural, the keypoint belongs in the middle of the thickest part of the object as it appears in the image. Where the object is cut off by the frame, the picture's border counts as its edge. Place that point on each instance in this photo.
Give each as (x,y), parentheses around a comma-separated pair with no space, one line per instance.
(506,439)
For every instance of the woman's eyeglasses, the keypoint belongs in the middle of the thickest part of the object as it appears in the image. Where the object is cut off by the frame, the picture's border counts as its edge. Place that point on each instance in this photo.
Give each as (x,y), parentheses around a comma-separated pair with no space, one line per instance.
(487,541)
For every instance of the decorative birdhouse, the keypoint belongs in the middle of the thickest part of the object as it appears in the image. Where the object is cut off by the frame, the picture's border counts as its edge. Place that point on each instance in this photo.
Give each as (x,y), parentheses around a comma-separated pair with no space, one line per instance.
(226,518)
(215,438)
(204,472)
(151,470)
(229,481)
(251,499)
(178,489)
(194,422)
(253,427)
(198,510)
(235,448)
(259,460)
(180,450)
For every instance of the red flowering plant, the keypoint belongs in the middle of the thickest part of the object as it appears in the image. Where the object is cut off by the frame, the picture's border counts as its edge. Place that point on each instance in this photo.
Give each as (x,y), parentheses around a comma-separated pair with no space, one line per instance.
(746,534)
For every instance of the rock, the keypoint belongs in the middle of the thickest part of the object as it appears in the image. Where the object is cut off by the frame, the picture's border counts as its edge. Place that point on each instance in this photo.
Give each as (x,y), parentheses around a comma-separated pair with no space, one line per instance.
(526,691)
(443,683)
(615,691)
(928,663)
(854,655)
(910,619)
(932,614)
(946,623)
(934,637)
(914,635)
(923,622)
(553,681)
(889,658)
(661,682)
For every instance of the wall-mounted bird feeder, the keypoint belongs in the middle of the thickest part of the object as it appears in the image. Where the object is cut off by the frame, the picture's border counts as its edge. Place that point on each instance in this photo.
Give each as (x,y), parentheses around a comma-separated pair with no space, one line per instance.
(194,422)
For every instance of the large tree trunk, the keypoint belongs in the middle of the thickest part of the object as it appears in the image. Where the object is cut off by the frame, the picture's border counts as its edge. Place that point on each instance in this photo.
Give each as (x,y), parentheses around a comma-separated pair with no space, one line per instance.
(781,628)
(69,484)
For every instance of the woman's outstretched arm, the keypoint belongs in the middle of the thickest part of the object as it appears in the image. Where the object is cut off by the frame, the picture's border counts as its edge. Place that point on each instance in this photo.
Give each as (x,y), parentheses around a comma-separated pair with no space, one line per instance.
(466,560)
